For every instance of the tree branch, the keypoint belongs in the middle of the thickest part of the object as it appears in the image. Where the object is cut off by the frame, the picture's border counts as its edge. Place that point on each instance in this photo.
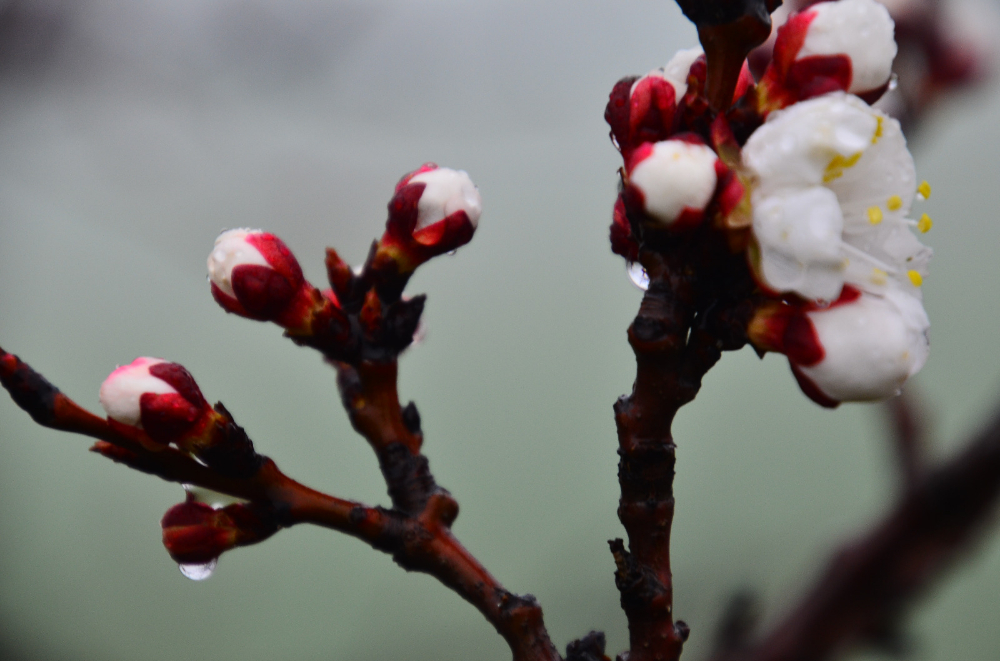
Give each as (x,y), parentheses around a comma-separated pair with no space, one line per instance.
(422,542)
(870,581)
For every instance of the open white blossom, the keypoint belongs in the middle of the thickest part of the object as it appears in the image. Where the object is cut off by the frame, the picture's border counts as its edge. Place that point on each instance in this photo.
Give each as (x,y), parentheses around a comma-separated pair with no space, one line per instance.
(834,183)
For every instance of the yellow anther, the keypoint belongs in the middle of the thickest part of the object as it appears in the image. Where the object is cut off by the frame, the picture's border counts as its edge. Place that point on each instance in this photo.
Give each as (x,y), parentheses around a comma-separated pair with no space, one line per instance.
(874,215)
(878,129)
(879,277)
(915,278)
(835,168)
(893,203)
(925,223)
(924,189)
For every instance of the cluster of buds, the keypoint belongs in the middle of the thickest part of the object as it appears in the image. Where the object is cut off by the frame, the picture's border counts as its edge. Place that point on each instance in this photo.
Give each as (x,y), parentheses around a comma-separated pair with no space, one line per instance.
(253,274)
(808,180)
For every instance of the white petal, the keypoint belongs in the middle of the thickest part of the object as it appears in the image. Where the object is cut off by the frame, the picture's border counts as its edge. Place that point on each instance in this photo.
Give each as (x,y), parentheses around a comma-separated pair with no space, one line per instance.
(798,232)
(859,29)
(871,346)
(808,142)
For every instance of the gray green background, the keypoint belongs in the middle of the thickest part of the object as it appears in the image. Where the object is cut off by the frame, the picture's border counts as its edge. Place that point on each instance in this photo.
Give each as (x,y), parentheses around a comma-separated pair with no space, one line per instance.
(131,133)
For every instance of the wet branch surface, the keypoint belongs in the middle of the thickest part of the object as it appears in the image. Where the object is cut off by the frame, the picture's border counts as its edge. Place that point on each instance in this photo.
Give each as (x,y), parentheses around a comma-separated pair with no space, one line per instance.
(683,325)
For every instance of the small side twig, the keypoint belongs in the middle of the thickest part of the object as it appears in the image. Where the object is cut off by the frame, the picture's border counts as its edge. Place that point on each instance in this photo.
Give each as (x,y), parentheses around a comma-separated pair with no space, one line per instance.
(421,542)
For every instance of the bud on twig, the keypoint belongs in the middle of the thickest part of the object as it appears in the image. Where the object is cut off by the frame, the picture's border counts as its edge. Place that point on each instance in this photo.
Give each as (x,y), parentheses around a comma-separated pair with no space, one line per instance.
(255,275)
(157,397)
(434,211)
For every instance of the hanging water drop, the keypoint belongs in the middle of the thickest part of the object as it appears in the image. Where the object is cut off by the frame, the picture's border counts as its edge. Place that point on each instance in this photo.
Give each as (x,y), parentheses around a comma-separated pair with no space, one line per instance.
(637,275)
(452,253)
(200,571)
(893,82)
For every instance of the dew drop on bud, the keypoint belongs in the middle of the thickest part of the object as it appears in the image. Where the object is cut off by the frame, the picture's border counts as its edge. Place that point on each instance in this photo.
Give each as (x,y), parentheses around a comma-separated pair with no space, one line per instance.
(893,82)
(199,572)
(452,253)
(637,275)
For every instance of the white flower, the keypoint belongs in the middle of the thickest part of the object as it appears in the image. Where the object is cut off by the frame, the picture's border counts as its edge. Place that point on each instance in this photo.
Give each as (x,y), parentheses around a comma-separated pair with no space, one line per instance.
(674,177)
(870,346)
(122,390)
(860,29)
(446,192)
(834,182)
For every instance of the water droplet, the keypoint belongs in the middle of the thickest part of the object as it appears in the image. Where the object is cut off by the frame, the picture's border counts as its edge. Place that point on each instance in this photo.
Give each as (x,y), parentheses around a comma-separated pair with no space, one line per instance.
(452,253)
(637,275)
(199,572)
(893,82)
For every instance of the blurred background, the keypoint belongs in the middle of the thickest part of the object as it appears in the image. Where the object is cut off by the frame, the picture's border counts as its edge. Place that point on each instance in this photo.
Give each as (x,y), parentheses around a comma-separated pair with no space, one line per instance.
(131,133)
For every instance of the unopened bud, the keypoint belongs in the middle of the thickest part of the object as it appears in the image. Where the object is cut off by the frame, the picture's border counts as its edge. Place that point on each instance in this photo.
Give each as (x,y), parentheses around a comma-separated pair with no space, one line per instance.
(434,210)
(673,181)
(255,275)
(157,396)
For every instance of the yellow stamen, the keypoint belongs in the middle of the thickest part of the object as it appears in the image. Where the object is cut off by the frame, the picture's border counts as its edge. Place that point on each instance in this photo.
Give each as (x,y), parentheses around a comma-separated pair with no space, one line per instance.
(925,223)
(895,202)
(915,278)
(924,189)
(874,215)
(879,277)
(878,129)
(835,168)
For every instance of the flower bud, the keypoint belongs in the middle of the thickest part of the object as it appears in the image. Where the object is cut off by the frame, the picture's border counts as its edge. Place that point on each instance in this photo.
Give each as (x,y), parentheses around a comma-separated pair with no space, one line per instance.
(159,397)
(673,181)
(434,211)
(195,533)
(254,274)
(846,45)
(861,348)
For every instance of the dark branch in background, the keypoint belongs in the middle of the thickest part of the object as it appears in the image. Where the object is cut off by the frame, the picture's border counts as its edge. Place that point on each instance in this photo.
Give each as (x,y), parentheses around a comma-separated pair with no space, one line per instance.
(868,584)
(907,436)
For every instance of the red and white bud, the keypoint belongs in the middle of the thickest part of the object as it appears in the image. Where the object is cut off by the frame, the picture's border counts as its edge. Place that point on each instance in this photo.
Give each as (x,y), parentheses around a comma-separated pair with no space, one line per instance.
(846,45)
(157,396)
(434,210)
(673,180)
(255,275)
(861,348)
(447,194)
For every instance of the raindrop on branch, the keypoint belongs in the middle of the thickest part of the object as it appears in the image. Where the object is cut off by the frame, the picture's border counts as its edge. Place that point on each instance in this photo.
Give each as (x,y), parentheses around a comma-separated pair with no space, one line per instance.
(637,275)
(199,572)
